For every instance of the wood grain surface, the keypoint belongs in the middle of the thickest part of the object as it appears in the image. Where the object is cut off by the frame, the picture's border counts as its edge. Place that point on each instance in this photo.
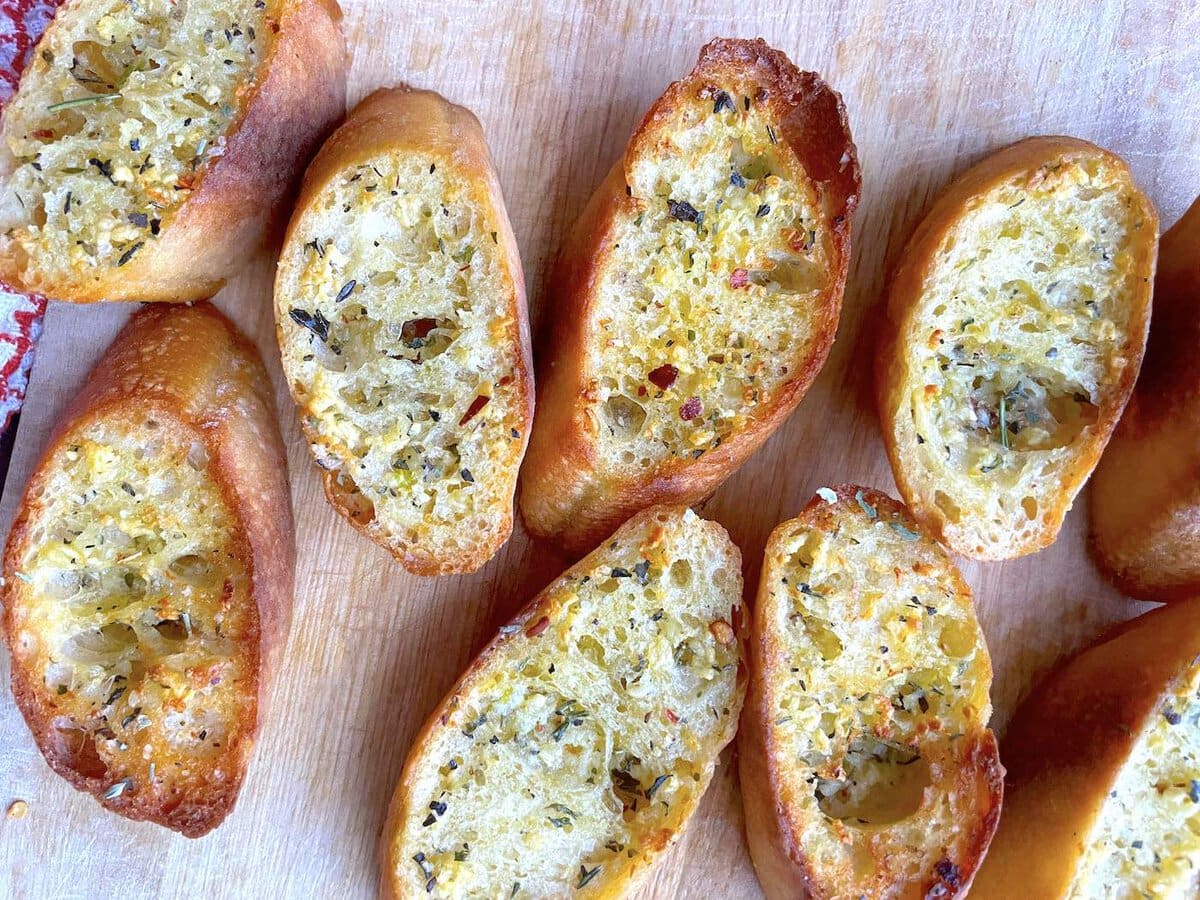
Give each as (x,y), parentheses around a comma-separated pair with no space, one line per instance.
(559,87)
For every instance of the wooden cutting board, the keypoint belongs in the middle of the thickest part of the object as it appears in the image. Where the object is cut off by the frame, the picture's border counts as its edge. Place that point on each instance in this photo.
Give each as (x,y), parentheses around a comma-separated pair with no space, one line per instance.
(559,87)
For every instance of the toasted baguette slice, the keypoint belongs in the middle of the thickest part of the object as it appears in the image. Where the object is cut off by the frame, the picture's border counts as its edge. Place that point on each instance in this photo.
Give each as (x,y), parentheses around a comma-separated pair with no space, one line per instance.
(1102,797)
(1145,507)
(578,744)
(149,143)
(148,574)
(400,310)
(698,295)
(868,770)
(1018,313)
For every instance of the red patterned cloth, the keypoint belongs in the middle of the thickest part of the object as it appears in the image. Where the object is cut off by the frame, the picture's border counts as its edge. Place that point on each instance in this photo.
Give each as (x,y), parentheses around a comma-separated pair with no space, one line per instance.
(21,24)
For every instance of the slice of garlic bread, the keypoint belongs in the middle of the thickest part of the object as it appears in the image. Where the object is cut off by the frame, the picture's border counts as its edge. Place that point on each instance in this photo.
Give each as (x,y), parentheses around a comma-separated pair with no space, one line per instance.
(149,143)
(400,309)
(1019,312)
(1145,509)
(578,744)
(698,295)
(148,574)
(868,770)
(1102,798)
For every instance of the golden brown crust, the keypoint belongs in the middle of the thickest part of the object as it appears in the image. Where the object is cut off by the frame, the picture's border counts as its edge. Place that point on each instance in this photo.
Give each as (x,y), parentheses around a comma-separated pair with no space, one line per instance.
(393,120)
(541,606)
(892,381)
(1068,742)
(1145,504)
(783,867)
(562,494)
(205,381)
(298,99)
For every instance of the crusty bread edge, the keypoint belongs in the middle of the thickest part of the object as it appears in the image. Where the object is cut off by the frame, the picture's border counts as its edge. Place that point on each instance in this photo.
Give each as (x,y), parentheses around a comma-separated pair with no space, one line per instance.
(223,221)
(1068,742)
(221,398)
(541,605)
(1141,549)
(561,494)
(904,296)
(387,121)
(779,861)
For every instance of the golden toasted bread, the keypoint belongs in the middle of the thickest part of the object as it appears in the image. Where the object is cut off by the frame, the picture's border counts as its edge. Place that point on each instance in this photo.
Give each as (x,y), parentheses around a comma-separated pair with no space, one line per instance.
(149,144)
(148,574)
(697,296)
(576,747)
(1102,797)
(400,310)
(1145,510)
(1018,311)
(868,770)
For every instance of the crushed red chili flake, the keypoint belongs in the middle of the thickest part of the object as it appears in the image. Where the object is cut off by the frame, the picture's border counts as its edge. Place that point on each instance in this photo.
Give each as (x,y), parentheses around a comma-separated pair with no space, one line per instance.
(538,627)
(671,717)
(664,376)
(476,405)
(416,330)
(739,278)
(691,409)
(641,391)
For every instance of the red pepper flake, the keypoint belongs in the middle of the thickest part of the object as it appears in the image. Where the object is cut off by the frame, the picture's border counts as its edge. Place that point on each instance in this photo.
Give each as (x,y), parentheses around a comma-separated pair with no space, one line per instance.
(43,134)
(664,376)
(671,717)
(691,409)
(538,627)
(641,392)
(739,278)
(476,405)
(416,330)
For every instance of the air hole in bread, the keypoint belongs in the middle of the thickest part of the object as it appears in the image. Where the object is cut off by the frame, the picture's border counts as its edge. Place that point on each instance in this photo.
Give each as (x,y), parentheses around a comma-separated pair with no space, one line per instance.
(357,506)
(883,783)
(116,120)
(77,748)
(952,510)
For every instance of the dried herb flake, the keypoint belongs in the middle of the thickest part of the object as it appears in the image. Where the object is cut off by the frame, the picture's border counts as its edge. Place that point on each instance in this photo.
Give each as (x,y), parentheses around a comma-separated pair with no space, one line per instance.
(684,211)
(314,321)
(586,875)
